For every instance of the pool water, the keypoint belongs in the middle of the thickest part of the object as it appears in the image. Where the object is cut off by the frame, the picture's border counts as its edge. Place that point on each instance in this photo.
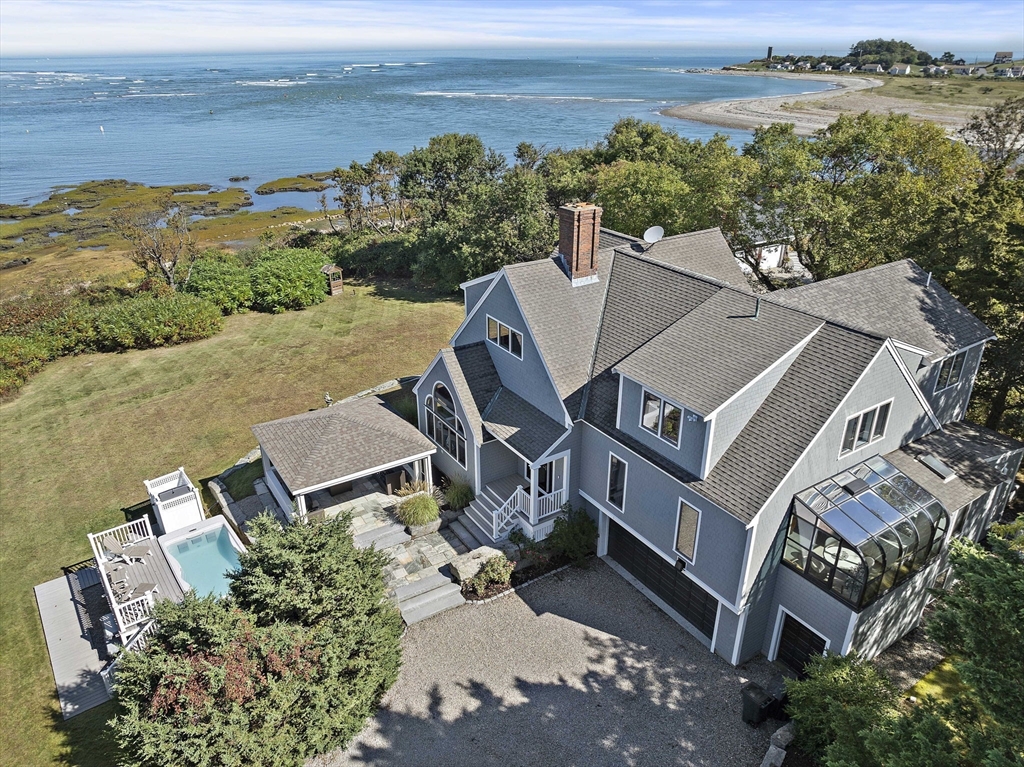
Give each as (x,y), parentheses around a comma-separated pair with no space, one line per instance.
(205,560)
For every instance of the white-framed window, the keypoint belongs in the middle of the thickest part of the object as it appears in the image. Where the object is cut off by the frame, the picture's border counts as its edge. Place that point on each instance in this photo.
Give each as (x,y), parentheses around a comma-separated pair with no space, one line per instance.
(500,334)
(616,481)
(866,427)
(687,525)
(951,371)
(443,426)
(660,417)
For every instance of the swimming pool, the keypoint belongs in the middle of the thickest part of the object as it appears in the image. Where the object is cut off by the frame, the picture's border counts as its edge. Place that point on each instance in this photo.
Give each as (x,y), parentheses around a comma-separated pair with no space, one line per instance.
(204,554)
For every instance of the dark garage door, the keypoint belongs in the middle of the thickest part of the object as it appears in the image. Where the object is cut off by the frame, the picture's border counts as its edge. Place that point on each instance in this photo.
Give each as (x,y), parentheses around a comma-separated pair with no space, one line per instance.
(679,592)
(798,644)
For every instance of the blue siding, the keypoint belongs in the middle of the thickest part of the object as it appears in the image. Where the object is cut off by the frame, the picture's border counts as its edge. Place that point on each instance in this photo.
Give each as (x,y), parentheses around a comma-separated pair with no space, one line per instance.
(690,452)
(725,636)
(950,404)
(474,293)
(496,461)
(528,377)
(443,461)
(811,606)
(651,509)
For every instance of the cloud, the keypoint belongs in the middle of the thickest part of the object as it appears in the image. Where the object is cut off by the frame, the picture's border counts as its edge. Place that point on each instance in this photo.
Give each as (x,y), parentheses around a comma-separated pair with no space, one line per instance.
(65,27)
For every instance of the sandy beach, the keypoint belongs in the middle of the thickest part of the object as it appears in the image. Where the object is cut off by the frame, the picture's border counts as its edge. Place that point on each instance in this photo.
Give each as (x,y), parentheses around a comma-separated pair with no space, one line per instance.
(811,111)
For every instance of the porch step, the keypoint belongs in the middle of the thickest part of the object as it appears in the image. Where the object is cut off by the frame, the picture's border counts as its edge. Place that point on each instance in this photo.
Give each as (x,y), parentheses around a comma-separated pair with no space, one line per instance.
(430,603)
(480,521)
(463,530)
(384,537)
(409,590)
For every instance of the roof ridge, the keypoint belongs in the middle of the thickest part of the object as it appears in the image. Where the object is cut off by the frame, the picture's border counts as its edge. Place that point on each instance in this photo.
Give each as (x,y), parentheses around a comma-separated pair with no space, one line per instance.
(689,234)
(875,268)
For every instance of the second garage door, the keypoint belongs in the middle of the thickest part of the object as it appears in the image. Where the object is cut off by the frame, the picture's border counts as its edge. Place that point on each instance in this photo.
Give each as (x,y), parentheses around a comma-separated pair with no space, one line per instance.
(798,644)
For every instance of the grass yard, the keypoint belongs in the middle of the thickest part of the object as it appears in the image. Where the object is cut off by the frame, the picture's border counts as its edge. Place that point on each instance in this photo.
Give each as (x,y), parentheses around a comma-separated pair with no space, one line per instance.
(84,433)
(953,89)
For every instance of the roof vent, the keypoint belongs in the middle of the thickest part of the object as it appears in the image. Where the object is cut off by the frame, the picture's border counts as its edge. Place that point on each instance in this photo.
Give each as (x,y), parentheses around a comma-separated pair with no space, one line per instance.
(856,486)
(938,467)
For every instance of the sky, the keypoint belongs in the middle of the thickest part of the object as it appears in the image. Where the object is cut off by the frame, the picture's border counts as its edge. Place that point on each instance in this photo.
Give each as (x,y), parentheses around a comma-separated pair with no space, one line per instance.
(129,27)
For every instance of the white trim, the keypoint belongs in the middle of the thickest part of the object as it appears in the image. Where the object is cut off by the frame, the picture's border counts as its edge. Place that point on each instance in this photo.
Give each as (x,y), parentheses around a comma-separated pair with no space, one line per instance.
(357,475)
(554,444)
(608,481)
(423,375)
(433,437)
(499,439)
(476,308)
(902,366)
(741,627)
(487,335)
(477,281)
(941,362)
(797,348)
(718,618)
(872,439)
(476,467)
(612,516)
(909,348)
(748,548)
(777,633)
(696,536)
(644,391)
(618,406)
(654,391)
(602,535)
(814,439)
(709,431)
(849,634)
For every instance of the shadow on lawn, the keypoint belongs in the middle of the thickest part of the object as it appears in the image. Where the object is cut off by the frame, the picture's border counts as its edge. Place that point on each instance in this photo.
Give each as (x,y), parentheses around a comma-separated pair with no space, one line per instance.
(405,290)
(86,740)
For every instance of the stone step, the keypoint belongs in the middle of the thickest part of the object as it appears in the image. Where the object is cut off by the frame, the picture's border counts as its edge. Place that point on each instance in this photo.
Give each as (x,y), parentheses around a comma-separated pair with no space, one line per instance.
(384,537)
(407,591)
(431,603)
(464,533)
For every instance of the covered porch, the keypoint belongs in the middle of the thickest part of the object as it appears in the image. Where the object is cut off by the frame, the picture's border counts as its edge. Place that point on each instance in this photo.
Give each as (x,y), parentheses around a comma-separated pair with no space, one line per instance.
(316,462)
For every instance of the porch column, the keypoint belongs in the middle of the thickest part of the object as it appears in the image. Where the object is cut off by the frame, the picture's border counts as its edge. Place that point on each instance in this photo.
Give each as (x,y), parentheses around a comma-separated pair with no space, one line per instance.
(300,502)
(428,471)
(533,494)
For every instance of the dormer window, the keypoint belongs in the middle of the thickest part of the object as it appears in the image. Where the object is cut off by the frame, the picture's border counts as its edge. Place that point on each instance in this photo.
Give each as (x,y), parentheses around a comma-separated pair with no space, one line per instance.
(865,428)
(661,417)
(951,371)
(500,334)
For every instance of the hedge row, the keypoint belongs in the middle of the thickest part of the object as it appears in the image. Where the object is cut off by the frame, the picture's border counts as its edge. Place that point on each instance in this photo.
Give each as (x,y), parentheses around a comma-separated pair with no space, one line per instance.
(278,280)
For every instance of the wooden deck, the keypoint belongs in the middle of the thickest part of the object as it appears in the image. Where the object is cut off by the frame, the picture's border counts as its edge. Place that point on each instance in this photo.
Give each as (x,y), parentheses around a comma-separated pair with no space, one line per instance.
(153,569)
(76,665)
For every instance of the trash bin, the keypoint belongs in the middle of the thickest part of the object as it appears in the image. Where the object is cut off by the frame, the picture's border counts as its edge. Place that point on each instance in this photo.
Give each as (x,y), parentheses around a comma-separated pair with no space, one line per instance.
(777,689)
(755,703)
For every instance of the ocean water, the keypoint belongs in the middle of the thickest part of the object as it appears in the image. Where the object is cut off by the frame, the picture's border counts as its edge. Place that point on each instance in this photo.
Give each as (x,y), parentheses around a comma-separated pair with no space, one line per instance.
(181,119)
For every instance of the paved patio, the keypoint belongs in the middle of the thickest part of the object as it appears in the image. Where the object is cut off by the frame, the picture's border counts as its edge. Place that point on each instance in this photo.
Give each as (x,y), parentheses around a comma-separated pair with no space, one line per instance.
(576,669)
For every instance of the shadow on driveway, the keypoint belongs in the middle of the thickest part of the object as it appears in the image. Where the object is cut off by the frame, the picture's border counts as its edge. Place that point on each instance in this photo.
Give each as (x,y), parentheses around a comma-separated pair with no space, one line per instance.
(577,669)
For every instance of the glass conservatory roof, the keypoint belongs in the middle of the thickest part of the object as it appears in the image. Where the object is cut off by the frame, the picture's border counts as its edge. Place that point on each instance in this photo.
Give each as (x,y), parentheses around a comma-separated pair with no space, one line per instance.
(865,530)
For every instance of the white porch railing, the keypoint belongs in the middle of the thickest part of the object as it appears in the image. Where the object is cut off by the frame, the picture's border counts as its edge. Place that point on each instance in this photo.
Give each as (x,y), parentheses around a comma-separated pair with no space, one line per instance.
(550,504)
(134,611)
(518,501)
(136,644)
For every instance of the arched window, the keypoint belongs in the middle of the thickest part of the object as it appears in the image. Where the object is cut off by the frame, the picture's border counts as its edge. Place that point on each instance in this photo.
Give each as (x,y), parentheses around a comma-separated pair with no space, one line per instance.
(443,426)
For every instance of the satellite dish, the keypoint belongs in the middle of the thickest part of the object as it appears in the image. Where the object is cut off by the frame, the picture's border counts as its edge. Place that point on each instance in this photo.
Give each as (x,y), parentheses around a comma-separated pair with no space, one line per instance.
(654,234)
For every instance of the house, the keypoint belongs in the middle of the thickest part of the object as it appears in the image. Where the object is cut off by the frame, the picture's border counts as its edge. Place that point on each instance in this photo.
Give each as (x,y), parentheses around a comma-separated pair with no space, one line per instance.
(781,474)
(876,68)
(964,70)
(824,66)
(935,70)
(1003,57)
(803,65)
(959,62)
(899,69)
(848,67)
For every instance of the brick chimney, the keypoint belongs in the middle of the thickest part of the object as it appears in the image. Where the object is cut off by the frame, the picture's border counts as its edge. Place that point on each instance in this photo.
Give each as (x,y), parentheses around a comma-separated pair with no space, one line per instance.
(579,227)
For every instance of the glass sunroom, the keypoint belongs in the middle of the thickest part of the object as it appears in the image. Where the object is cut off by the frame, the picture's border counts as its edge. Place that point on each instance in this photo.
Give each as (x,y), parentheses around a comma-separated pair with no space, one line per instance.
(864,531)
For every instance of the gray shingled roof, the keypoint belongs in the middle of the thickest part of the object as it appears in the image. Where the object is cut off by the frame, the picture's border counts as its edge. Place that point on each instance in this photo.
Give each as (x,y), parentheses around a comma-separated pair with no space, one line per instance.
(705,252)
(962,446)
(708,355)
(892,300)
(609,238)
(344,440)
(563,319)
(475,381)
(526,429)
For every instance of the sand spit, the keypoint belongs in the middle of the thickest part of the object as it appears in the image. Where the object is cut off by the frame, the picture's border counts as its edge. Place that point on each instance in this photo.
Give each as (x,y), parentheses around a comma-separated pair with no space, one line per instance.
(811,111)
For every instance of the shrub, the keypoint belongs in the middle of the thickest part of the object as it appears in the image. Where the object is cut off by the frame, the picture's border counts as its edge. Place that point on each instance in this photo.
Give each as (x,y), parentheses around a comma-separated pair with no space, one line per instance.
(418,510)
(842,697)
(574,534)
(496,571)
(147,321)
(412,488)
(20,357)
(287,279)
(458,494)
(406,406)
(290,667)
(222,281)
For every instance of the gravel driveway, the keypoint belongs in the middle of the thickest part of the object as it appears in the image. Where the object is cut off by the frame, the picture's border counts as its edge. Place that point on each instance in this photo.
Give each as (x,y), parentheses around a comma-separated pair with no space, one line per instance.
(576,669)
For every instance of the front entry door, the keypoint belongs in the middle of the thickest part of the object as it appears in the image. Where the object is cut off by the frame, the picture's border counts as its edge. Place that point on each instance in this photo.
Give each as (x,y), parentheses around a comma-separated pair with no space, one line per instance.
(551,476)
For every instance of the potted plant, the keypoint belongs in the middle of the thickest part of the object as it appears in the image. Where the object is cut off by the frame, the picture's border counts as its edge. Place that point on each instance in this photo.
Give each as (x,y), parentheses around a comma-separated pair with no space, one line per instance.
(419,513)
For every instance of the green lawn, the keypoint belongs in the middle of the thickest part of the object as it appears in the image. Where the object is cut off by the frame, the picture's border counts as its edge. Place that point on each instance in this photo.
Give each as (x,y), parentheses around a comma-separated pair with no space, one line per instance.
(85,432)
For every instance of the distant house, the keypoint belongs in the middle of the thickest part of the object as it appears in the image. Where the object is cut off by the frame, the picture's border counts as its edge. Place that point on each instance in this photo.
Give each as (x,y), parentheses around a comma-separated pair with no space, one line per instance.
(824,67)
(848,67)
(1003,57)
(963,70)
(803,65)
(959,62)
(935,70)
(876,68)
(900,69)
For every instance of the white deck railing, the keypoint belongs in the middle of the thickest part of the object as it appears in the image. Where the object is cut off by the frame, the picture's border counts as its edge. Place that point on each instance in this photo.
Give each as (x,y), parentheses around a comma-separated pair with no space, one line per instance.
(176,478)
(136,644)
(134,611)
(519,501)
(550,504)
